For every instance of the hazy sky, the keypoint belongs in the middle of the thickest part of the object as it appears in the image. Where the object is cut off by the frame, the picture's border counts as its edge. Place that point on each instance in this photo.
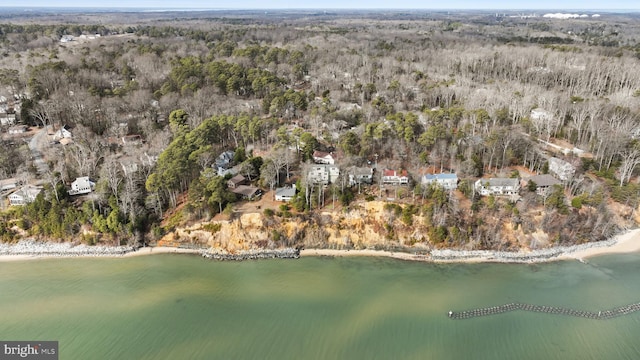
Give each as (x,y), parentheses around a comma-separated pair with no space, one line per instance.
(334,4)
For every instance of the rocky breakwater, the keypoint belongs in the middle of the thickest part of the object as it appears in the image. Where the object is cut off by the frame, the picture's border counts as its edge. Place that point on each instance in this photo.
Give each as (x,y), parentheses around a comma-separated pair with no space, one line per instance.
(46,249)
(287,253)
(540,255)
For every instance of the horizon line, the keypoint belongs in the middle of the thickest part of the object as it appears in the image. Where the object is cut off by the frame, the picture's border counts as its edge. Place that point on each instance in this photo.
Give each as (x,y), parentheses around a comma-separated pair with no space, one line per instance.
(308,8)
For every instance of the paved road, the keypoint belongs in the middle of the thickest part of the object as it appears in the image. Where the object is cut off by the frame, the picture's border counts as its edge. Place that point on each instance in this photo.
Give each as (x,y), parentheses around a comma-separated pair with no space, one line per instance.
(37,146)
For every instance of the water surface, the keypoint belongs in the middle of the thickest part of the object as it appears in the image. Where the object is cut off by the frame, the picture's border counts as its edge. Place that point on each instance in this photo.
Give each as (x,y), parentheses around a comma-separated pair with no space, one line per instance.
(185,307)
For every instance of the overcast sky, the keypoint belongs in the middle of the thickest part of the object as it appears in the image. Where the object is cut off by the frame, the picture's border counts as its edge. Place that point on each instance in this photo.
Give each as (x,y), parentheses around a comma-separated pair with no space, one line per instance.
(339,4)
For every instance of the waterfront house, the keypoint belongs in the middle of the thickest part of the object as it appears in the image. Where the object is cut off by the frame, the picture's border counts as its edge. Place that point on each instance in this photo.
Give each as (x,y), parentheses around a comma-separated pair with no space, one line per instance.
(82,185)
(543,183)
(285,194)
(394,177)
(24,195)
(562,169)
(446,181)
(321,157)
(360,176)
(236,181)
(323,174)
(497,186)
(247,192)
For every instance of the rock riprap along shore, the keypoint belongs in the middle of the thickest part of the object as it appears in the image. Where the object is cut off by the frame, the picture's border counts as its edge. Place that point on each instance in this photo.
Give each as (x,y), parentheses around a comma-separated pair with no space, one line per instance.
(287,253)
(541,255)
(38,248)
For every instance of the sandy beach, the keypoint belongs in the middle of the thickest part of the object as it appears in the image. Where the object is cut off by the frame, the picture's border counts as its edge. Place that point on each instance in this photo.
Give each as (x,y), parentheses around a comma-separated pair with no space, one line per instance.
(161,250)
(627,242)
(379,253)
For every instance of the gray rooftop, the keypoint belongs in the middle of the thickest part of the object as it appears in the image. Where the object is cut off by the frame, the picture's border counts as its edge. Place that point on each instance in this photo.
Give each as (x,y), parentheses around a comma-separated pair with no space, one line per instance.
(544,180)
(503,182)
(441,177)
(286,191)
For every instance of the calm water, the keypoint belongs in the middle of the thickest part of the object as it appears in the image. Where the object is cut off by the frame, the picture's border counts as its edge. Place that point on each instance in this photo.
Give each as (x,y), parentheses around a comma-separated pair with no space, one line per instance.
(184,307)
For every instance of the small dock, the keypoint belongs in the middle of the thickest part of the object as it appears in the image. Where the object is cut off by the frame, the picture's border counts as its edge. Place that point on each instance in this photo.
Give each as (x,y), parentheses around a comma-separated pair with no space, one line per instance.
(554,310)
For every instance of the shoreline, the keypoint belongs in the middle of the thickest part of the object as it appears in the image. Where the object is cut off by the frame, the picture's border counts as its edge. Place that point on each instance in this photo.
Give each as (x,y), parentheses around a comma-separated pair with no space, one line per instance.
(624,243)
(627,242)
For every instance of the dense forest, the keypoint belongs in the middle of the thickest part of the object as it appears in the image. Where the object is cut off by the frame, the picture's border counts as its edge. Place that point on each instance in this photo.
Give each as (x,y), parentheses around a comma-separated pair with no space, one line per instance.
(153,102)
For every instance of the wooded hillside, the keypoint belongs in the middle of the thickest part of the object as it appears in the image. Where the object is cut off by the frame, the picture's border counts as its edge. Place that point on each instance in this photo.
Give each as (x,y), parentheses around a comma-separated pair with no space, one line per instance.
(153,102)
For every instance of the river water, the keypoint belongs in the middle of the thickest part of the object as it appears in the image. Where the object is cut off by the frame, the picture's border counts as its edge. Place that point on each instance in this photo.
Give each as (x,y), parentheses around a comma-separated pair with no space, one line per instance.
(185,307)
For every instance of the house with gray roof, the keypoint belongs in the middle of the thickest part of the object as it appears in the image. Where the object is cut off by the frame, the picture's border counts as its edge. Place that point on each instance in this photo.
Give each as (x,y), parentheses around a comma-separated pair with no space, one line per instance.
(543,183)
(24,195)
(497,186)
(562,169)
(247,192)
(9,184)
(446,181)
(323,174)
(359,176)
(286,194)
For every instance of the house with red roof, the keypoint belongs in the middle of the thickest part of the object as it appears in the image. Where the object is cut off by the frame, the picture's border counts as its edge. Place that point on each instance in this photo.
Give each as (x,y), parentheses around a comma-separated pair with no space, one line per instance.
(395,177)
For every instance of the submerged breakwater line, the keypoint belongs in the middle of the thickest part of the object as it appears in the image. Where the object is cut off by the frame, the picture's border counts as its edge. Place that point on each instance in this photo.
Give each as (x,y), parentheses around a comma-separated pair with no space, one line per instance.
(554,310)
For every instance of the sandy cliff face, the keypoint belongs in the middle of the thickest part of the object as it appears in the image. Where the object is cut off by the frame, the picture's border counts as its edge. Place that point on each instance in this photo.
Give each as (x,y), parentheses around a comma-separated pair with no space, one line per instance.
(361,227)
(366,225)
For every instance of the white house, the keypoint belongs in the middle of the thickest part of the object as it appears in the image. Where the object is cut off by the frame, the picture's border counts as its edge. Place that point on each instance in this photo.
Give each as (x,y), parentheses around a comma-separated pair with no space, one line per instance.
(62,134)
(447,181)
(321,157)
(497,186)
(17,129)
(323,174)
(82,185)
(360,176)
(285,193)
(562,169)
(394,177)
(7,119)
(24,195)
